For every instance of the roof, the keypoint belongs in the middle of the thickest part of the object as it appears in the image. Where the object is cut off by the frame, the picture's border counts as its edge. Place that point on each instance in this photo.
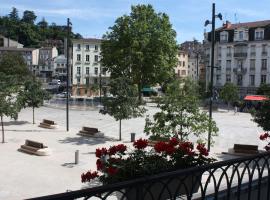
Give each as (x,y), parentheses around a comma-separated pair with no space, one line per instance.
(256,98)
(247,24)
(87,40)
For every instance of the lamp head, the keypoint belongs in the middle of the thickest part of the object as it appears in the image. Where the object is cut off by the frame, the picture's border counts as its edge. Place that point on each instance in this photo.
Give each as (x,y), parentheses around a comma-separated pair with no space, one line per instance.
(219,16)
(207,22)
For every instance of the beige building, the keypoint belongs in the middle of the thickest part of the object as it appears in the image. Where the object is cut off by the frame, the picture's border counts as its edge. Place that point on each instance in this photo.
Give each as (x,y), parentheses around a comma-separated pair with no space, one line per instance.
(6,42)
(88,73)
(181,70)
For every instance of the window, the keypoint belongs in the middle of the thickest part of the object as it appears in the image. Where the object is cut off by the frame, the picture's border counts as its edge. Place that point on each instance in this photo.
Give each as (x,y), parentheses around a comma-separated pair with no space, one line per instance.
(96,70)
(87,70)
(1,42)
(239,80)
(95,80)
(252,65)
(104,71)
(87,47)
(264,49)
(264,64)
(240,64)
(223,37)
(229,51)
(259,35)
(183,72)
(183,63)
(253,50)
(58,65)
(218,78)
(219,51)
(228,78)
(78,57)
(96,47)
(241,35)
(87,58)
(180,63)
(228,65)
(96,58)
(263,79)
(252,80)
(87,80)
(178,73)
(219,64)
(78,47)
(78,70)
(78,80)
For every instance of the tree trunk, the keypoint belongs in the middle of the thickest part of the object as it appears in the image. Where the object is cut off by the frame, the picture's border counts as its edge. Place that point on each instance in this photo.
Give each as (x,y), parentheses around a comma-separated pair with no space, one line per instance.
(33,115)
(120,134)
(3,133)
(140,92)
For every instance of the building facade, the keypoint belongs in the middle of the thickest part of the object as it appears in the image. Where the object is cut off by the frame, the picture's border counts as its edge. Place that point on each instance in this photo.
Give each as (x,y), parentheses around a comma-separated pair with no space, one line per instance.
(88,74)
(7,42)
(181,70)
(242,55)
(60,68)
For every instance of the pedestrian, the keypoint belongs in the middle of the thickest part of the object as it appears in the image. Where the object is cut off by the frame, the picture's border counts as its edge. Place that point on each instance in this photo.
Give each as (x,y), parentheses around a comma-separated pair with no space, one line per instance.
(235,109)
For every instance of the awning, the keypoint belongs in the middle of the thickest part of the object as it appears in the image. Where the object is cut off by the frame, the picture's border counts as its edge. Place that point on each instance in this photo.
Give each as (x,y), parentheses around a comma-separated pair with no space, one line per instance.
(148,90)
(256,98)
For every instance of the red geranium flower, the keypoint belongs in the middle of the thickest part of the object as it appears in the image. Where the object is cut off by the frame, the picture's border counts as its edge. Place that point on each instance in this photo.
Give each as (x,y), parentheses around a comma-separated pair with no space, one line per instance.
(203,151)
(99,164)
(112,170)
(86,177)
(112,150)
(160,147)
(267,148)
(121,148)
(264,136)
(187,147)
(140,144)
(173,141)
(101,152)
(170,149)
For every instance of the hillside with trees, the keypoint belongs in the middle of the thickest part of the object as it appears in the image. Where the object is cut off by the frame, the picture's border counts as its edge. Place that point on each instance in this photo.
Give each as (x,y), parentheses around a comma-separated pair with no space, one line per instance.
(29,32)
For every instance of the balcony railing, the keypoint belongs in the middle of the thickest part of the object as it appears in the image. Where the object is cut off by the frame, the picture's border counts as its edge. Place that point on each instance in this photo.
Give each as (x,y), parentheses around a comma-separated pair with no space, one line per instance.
(240,70)
(240,55)
(240,178)
(264,53)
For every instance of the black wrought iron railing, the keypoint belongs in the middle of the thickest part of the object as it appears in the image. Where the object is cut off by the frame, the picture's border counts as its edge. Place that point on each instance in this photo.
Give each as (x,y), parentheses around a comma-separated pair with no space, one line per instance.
(245,178)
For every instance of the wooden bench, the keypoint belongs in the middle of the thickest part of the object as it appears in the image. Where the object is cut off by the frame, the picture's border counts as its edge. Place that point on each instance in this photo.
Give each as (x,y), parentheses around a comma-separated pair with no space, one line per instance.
(48,124)
(90,132)
(242,150)
(33,147)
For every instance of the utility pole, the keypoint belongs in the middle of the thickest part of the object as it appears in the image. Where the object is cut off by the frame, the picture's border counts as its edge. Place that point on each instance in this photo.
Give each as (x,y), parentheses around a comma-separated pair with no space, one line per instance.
(67,85)
(197,66)
(100,85)
(212,69)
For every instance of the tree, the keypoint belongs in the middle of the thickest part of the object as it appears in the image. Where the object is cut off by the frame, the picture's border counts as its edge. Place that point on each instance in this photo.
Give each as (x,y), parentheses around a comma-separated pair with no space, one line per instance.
(29,17)
(13,72)
(141,46)
(180,115)
(264,89)
(33,95)
(229,93)
(124,104)
(13,15)
(43,24)
(262,116)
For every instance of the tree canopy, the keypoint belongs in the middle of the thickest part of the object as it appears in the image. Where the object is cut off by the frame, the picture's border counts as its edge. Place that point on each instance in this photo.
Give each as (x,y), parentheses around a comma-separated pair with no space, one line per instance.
(264,89)
(229,93)
(141,46)
(262,116)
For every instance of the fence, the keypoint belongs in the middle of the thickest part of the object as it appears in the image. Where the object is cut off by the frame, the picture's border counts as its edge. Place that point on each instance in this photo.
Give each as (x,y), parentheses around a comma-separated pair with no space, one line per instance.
(245,178)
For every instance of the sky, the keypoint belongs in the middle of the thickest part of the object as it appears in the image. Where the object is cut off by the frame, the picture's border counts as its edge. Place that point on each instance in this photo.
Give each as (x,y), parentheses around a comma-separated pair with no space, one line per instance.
(92,18)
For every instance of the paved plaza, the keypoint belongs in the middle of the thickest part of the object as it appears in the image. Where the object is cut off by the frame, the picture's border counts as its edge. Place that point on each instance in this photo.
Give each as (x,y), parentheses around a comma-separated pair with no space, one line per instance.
(24,176)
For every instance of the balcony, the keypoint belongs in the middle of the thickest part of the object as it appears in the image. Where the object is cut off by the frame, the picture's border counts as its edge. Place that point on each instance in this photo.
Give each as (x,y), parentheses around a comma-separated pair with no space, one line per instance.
(252,54)
(229,55)
(87,62)
(228,70)
(264,53)
(78,75)
(252,70)
(78,62)
(87,75)
(240,70)
(240,55)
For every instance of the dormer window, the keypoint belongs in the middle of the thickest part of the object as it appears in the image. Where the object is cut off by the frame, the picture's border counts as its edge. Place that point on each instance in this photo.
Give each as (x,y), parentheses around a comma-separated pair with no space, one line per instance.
(259,33)
(241,35)
(224,36)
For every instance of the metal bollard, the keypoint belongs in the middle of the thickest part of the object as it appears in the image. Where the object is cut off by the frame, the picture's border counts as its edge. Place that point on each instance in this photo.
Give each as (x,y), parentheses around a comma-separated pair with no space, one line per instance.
(76,156)
(132,137)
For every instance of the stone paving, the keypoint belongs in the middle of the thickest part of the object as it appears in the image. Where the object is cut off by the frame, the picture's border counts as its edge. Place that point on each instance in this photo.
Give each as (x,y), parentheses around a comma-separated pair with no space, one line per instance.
(24,176)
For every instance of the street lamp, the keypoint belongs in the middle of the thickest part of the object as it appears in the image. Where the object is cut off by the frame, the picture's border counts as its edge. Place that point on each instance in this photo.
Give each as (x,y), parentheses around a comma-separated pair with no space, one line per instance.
(67,97)
(214,16)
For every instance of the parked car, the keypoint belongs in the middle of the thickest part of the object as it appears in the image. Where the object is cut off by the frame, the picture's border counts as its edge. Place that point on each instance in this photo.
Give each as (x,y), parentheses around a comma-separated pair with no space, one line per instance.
(63,95)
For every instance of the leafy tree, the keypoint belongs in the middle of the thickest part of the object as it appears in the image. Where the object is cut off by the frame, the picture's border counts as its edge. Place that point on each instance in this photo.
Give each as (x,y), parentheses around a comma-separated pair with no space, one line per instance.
(29,17)
(262,116)
(33,95)
(141,46)
(124,104)
(180,115)
(13,72)
(229,93)
(13,15)
(264,89)
(43,24)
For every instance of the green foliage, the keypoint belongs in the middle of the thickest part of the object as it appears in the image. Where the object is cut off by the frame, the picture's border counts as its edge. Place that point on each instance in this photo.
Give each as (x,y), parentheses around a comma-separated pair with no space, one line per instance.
(262,116)
(26,32)
(264,89)
(124,104)
(229,93)
(180,115)
(141,46)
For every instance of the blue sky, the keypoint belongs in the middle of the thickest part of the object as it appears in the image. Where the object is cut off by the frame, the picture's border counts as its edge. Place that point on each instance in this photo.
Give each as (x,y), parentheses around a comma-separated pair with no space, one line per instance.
(91,18)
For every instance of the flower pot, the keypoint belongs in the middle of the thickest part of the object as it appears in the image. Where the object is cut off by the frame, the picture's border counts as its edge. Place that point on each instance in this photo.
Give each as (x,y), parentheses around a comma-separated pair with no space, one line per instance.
(163,189)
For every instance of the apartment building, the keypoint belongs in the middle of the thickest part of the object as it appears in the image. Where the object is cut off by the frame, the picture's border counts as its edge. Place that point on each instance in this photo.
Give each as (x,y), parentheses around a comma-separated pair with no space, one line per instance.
(60,68)
(181,70)
(88,73)
(241,55)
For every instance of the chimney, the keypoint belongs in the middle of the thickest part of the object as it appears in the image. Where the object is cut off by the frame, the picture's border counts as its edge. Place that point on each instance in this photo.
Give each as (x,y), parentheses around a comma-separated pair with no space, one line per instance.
(227,24)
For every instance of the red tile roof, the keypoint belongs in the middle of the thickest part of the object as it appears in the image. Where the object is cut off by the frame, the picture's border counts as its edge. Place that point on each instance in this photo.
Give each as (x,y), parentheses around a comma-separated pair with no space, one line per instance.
(246,24)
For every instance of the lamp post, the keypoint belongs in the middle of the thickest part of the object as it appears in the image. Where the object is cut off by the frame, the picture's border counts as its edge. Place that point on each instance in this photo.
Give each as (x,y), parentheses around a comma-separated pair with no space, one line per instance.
(67,97)
(100,85)
(214,16)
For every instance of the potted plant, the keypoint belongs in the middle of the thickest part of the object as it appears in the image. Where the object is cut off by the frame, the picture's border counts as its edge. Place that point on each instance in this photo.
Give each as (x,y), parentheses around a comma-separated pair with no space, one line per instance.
(118,163)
